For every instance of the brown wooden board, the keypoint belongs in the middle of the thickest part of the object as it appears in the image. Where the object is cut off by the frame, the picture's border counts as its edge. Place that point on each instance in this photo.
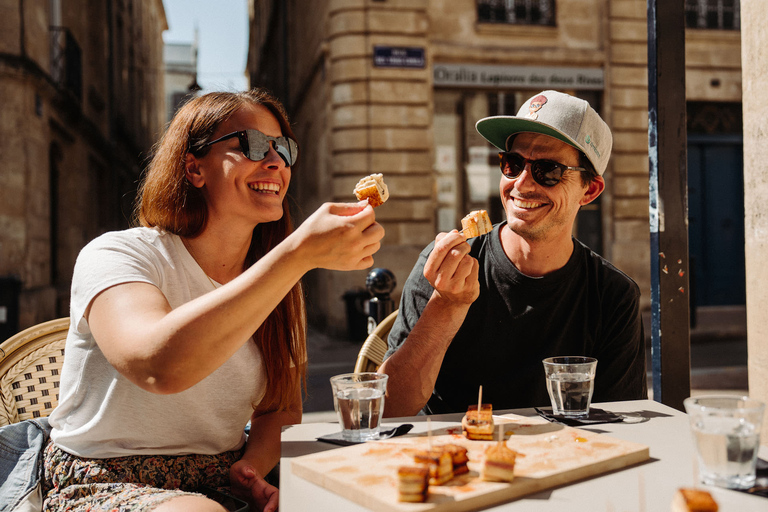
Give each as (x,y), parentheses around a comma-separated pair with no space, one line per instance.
(550,455)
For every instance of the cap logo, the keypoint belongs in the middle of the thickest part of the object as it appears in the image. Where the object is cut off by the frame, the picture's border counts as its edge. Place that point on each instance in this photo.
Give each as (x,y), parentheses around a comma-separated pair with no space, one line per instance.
(535,105)
(588,141)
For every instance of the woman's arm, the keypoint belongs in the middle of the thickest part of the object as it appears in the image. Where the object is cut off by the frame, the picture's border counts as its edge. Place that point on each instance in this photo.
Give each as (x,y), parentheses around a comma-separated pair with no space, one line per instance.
(262,453)
(164,350)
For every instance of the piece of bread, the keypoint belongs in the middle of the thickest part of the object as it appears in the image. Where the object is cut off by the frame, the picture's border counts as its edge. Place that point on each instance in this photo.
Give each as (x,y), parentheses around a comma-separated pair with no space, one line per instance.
(693,500)
(478,427)
(459,458)
(476,223)
(412,483)
(439,462)
(372,188)
(499,463)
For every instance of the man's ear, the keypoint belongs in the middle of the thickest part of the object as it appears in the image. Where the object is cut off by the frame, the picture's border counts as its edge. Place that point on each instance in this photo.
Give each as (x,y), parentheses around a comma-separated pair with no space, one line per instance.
(593,190)
(192,171)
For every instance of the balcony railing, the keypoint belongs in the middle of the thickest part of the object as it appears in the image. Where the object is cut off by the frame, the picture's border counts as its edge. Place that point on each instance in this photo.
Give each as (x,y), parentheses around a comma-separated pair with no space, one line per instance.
(516,12)
(713,14)
(66,61)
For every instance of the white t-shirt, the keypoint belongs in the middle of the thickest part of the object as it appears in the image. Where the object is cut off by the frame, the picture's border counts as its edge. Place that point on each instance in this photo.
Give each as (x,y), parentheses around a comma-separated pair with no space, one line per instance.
(101,413)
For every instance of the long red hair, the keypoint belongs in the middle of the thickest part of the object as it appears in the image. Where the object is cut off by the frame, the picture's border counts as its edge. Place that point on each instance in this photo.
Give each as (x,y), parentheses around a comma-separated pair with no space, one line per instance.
(168,201)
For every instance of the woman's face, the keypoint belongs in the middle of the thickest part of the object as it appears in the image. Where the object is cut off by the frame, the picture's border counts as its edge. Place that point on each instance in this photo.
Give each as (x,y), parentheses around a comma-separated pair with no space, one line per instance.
(239,191)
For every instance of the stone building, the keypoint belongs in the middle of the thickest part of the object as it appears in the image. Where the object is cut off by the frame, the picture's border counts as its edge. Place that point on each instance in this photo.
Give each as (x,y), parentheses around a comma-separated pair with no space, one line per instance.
(180,61)
(81,84)
(396,86)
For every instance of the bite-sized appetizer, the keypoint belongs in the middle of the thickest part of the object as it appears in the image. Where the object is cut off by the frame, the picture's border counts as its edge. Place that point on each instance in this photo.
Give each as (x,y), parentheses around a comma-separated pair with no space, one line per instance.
(372,188)
(412,483)
(439,463)
(459,458)
(476,223)
(499,463)
(693,500)
(478,426)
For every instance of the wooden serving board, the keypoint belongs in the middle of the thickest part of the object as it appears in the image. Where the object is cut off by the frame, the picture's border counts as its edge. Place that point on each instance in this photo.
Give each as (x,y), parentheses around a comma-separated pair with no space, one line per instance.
(550,455)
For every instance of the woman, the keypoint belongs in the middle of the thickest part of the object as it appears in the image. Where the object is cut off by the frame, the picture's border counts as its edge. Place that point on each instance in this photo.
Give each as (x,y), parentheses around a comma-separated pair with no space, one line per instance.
(185,328)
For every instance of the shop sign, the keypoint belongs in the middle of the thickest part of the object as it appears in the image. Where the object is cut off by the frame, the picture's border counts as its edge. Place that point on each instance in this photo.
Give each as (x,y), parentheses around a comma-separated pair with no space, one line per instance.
(517,77)
(398,57)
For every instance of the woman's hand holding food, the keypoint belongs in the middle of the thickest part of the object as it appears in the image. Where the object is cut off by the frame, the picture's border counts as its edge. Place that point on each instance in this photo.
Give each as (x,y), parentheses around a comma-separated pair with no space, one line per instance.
(340,236)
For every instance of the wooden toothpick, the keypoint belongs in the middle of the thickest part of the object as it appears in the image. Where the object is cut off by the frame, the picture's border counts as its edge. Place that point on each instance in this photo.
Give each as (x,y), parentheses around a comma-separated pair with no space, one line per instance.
(479,402)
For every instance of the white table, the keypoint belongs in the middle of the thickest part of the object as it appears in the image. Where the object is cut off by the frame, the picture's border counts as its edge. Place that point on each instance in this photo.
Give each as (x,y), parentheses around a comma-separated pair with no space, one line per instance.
(647,487)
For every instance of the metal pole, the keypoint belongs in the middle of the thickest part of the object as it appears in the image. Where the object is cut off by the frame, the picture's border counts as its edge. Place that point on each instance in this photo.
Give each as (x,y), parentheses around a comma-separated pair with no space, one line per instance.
(668,212)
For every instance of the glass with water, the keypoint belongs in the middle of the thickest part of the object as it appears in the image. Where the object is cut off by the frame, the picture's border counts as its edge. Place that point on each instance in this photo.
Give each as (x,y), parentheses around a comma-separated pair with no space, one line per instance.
(359,402)
(570,383)
(726,433)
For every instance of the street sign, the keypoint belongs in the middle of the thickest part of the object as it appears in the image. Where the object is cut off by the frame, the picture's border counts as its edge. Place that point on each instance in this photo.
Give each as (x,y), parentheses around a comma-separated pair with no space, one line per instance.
(522,77)
(398,57)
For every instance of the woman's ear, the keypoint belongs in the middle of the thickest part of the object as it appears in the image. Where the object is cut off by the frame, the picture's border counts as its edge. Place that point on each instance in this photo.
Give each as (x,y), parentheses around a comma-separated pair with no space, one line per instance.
(192,171)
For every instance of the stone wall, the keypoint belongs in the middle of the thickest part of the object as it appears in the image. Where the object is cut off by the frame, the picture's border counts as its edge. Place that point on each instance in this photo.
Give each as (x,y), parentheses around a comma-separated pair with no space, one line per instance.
(72,156)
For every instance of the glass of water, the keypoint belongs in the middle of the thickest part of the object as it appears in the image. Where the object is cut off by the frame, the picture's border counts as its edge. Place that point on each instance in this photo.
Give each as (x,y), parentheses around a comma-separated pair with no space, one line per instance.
(726,432)
(359,402)
(570,383)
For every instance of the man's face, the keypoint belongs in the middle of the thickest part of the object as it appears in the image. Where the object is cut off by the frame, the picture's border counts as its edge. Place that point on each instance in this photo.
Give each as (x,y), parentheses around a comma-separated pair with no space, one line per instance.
(538,213)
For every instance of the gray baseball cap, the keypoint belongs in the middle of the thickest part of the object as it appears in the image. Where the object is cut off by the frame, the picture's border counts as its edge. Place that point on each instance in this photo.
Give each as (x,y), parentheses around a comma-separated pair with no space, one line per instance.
(559,115)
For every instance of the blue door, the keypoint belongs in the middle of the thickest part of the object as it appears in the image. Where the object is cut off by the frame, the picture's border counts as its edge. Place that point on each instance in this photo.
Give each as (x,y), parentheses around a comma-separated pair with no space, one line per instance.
(716,220)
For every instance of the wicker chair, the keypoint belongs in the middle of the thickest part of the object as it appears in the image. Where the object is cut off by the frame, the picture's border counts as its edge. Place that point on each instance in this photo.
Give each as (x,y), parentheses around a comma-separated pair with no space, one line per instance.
(30,368)
(372,352)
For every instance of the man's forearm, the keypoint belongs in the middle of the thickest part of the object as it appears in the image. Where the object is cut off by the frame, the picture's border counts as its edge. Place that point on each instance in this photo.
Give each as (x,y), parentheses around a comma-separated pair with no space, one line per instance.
(414,368)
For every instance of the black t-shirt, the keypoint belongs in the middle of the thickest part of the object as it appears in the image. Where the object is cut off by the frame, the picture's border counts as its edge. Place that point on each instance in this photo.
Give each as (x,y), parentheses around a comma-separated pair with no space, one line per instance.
(588,307)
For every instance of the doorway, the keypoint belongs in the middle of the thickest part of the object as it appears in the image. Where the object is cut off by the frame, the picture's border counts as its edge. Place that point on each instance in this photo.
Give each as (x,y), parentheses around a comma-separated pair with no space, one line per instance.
(716,220)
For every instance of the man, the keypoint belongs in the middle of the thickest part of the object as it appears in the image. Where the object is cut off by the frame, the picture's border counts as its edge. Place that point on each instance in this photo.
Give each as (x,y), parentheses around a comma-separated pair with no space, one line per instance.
(488,310)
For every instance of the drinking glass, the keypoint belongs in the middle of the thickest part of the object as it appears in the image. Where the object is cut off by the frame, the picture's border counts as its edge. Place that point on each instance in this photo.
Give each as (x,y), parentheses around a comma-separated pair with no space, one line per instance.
(359,402)
(570,383)
(726,433)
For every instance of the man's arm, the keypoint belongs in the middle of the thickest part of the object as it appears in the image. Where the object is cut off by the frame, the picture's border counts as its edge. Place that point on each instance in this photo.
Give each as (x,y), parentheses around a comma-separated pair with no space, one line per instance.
(414,367)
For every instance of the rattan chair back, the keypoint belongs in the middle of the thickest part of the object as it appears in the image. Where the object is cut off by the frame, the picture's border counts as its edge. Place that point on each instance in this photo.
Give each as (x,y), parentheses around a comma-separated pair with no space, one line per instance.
(372,352)
(30,370)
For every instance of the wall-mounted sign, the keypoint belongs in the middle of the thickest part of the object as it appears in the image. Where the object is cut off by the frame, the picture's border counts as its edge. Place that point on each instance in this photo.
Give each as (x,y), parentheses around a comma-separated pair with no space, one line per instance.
(398,57)
(517,77)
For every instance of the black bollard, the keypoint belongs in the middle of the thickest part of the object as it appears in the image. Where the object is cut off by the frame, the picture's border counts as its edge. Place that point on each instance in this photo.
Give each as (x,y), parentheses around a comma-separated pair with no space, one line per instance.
(380,282)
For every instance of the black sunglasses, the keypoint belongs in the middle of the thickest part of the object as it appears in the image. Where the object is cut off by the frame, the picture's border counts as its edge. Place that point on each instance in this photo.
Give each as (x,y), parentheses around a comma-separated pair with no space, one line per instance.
(546,172)
(255,145)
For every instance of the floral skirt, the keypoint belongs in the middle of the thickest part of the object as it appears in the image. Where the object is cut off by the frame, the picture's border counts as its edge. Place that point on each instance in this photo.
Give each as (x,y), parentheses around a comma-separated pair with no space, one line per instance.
(137,483)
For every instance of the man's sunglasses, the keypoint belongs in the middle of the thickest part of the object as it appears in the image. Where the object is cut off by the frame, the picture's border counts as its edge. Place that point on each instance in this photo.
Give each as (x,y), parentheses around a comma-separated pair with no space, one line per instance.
(546,172)
(255,145)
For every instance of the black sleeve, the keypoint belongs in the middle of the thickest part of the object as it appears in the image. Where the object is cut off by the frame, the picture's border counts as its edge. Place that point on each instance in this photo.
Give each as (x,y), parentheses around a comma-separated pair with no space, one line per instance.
(621,373)
(414,298)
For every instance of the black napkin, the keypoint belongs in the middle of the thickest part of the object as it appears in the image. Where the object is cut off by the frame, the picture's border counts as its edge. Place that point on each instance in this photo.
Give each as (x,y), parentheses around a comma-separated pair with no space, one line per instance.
(336,437)
(761,481)
(595,416)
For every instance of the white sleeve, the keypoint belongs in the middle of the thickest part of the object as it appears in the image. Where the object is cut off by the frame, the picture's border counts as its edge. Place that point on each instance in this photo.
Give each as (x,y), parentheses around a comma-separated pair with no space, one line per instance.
(111,259)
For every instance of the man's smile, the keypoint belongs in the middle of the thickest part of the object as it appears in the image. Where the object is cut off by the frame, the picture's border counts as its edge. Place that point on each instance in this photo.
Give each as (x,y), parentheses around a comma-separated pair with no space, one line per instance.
(528,204)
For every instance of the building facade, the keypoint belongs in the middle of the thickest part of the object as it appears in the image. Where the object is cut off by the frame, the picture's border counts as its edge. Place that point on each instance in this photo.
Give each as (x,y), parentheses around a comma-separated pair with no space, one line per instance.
(81,84)
(180,61)
(396,86)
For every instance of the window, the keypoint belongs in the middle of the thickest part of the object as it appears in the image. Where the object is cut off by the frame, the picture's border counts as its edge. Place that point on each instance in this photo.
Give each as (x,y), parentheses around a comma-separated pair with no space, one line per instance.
(713,14)
(516,12)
